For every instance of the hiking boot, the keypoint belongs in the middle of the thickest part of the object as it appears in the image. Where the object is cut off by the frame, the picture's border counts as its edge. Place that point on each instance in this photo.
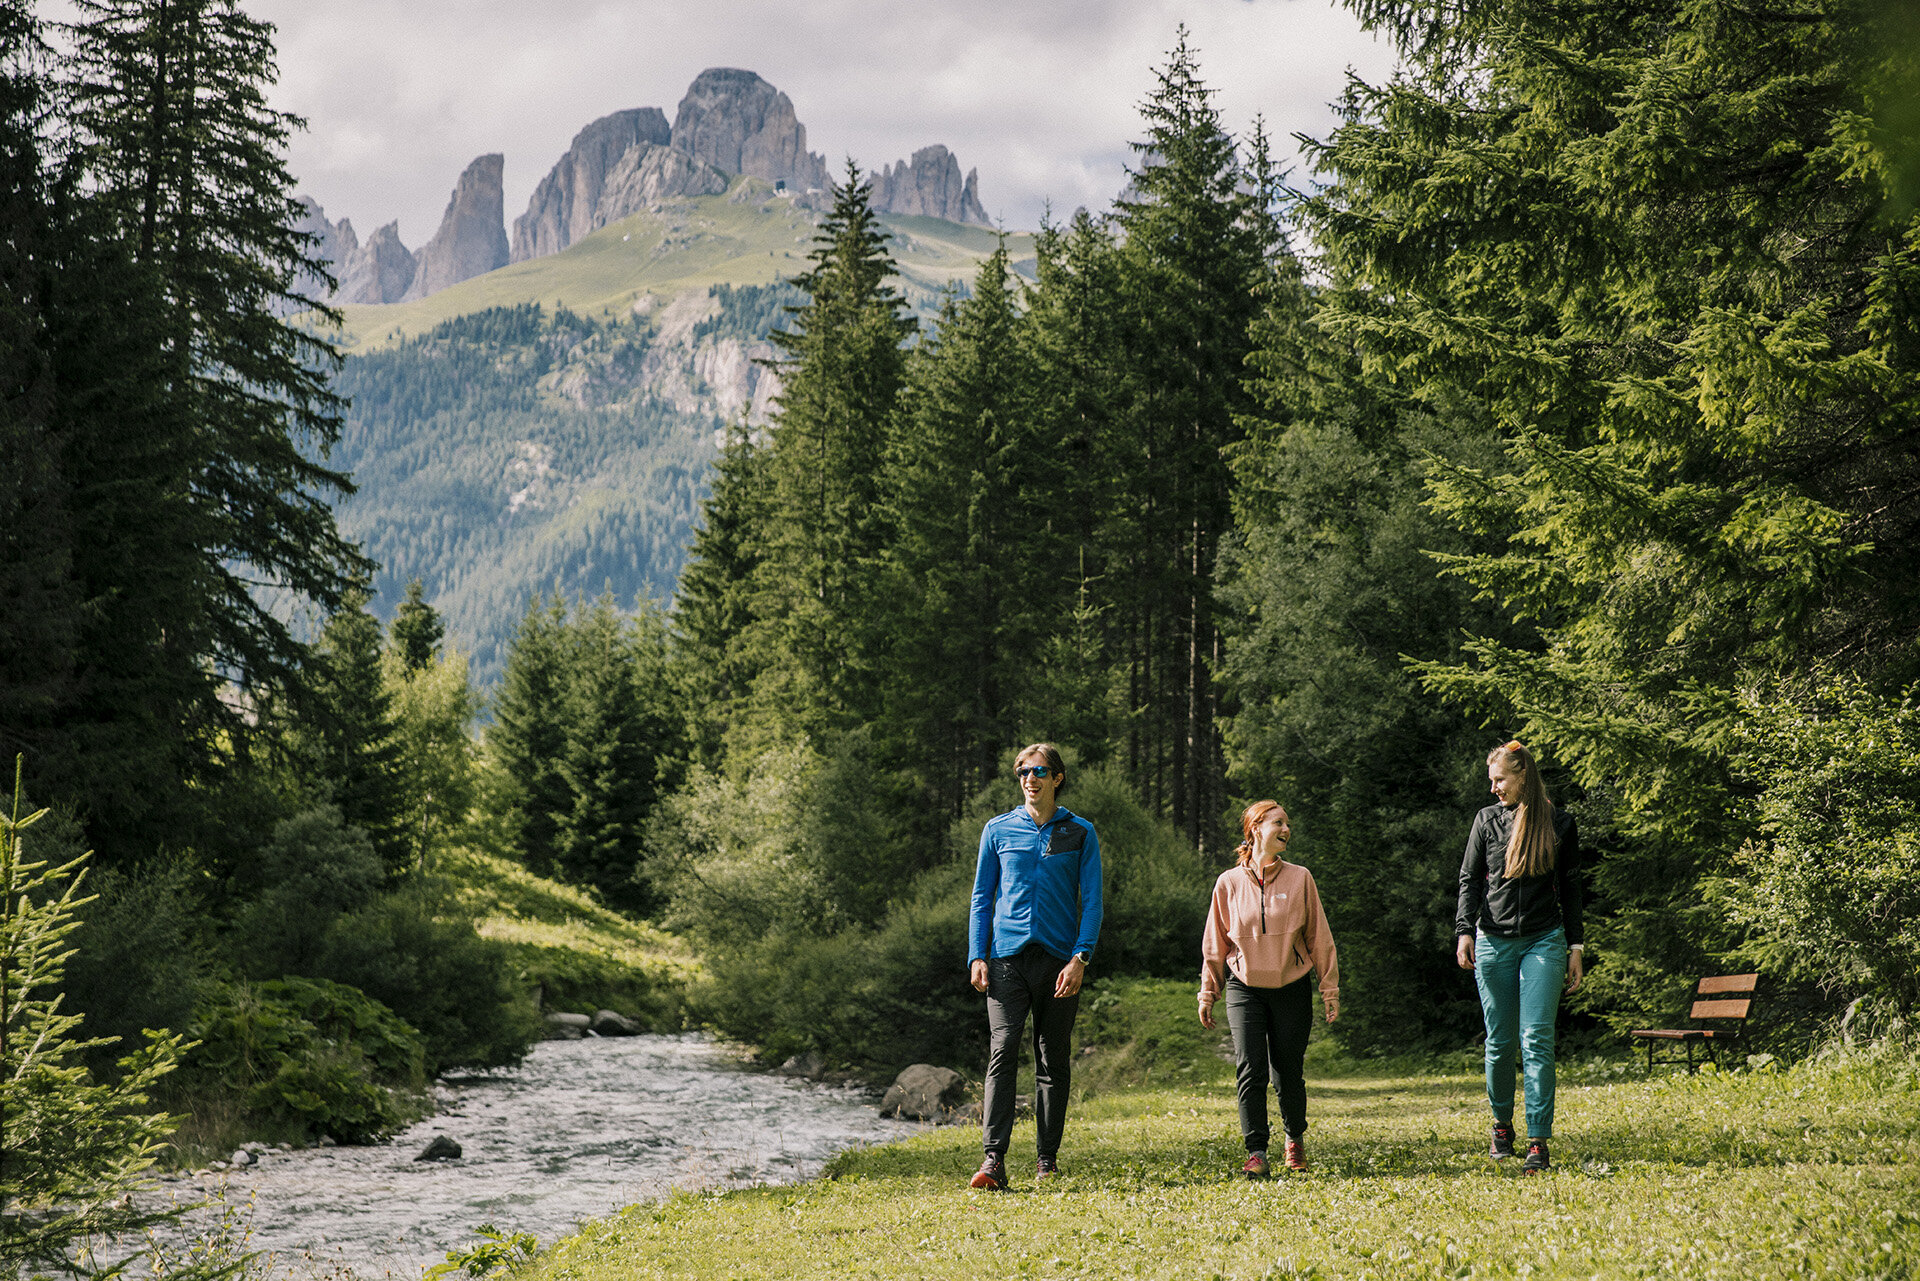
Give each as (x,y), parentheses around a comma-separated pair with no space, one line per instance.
(1536,1161)
(992,1175)
(1296,1154)
(1257,1166)
(1046,1167)
(1502,1146)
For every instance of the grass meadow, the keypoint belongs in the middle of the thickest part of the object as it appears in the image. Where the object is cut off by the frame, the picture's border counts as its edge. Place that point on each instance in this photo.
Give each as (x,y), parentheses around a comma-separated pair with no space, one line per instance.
(1801,1171)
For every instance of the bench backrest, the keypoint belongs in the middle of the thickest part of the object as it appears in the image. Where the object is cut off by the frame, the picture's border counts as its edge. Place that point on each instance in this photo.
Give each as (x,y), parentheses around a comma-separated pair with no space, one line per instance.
(1728,988)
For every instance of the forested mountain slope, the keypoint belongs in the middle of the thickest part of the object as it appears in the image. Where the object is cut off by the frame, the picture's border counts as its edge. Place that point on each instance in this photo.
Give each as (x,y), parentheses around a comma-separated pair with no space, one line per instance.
(548,426)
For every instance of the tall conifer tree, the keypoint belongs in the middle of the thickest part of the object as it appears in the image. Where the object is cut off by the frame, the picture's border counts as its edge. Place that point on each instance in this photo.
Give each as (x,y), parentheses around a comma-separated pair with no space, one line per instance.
(843,361)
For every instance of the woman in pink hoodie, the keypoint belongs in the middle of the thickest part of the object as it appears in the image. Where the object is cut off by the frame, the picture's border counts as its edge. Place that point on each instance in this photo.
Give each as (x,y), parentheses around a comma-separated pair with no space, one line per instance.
(1266,934)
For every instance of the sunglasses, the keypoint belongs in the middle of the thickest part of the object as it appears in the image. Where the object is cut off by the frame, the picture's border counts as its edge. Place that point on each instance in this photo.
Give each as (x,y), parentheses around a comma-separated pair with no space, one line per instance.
(1034,771)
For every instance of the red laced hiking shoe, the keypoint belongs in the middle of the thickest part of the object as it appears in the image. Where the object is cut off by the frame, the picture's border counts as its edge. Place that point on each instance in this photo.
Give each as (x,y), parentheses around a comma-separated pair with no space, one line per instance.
(1046,1167)
(1536,1162)
(1257,1166)
(992,1175)
(1502,1146)
(1296,1154)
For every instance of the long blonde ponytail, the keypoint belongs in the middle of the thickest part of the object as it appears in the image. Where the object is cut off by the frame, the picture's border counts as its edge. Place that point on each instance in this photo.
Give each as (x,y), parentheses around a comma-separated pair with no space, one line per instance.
(1530,849)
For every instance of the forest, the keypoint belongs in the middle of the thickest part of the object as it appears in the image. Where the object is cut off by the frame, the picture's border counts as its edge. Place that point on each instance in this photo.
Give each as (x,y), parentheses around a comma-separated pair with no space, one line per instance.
(1572,395)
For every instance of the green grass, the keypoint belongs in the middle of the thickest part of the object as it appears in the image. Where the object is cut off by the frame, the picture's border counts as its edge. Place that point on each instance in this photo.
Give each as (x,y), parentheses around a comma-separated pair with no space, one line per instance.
(1803,1172)
(584,956)
(748,236)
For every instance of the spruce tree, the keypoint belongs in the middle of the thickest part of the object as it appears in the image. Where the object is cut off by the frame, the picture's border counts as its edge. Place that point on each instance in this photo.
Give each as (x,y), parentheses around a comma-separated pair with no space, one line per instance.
(973,486)
(619,736)
(841,367)
(1657,244)
(528,737)
(183,156)
(712,605)
(416,629)
(1193,250)
(350,739)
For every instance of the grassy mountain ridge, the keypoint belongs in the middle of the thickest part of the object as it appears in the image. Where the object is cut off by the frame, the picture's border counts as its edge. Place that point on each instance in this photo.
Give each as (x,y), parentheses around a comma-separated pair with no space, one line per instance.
(547,427)
(749,236)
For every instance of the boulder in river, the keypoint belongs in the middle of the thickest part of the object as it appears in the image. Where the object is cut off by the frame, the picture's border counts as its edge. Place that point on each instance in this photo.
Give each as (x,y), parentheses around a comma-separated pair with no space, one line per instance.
(441,1149)
(614,1023)
(562,1026)
(240,1159)
(809,1065)
(924,1093)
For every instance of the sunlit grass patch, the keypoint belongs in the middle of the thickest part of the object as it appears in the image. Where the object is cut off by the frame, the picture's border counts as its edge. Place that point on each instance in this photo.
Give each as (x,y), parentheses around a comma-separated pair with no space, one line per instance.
(1808,1172)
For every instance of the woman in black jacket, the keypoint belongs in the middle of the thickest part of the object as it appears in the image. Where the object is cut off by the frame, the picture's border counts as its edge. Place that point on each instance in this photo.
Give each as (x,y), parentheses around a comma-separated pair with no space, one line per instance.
(1518,929)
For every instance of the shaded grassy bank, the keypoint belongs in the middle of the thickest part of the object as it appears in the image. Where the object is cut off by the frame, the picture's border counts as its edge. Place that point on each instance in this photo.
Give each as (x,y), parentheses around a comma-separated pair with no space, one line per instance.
(1811,1171)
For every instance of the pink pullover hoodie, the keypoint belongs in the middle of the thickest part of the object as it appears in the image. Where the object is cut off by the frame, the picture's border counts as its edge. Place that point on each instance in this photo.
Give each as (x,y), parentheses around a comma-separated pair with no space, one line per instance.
(1268,934)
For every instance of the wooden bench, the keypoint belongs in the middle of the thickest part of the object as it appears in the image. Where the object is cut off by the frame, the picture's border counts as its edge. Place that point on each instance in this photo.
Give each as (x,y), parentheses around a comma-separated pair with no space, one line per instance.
(1725,997)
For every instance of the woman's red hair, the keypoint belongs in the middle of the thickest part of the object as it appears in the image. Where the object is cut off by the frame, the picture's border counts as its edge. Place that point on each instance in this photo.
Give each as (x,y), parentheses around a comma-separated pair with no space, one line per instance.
(1255,815)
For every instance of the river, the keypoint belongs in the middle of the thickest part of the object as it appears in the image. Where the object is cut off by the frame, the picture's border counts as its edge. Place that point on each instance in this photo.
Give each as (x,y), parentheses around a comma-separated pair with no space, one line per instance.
(580,1129)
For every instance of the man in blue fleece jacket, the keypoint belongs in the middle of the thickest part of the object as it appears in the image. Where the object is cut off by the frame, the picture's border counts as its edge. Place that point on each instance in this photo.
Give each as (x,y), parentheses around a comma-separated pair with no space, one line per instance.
(1036,917)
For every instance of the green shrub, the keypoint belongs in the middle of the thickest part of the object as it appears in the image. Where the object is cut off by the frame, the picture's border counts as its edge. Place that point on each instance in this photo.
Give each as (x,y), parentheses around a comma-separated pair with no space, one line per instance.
(141,958)
(873,998)
(316,868)
(310,1057)
(414,952)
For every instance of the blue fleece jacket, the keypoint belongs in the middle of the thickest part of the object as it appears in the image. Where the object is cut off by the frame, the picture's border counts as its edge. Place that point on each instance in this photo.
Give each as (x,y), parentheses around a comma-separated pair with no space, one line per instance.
(1022,893)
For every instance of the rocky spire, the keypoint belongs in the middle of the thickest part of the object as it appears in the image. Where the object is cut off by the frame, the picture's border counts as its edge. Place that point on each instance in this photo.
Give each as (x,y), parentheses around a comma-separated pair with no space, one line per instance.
(379,271)
(563,205)
(740,124)
(929,185)
(472,239)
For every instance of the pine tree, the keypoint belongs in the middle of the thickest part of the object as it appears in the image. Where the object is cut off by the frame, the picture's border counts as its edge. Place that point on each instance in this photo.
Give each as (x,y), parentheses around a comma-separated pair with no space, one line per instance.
(416,629)
(528,737)
(349,736)
(181,153)
(1193,251)
(619,736)
(842,366)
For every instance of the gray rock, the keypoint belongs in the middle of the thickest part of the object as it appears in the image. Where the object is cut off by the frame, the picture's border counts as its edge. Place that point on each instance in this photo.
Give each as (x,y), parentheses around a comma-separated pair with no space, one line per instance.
(614,1023)
(562,1026)
(241,1159)
(441,1149)
(472,239)
(563,205)
(809,1065)
(924,1093)
(929,185)
(648,175)
(740,124)
(379,271)
(334,243)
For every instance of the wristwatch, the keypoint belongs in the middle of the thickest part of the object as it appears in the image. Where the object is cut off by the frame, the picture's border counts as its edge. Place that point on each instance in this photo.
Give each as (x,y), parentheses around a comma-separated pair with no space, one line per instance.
(1576,947)
(1083,958)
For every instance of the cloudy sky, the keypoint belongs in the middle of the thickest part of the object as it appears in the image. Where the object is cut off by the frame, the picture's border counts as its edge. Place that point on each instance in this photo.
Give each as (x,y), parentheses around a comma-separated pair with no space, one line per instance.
(1040,95)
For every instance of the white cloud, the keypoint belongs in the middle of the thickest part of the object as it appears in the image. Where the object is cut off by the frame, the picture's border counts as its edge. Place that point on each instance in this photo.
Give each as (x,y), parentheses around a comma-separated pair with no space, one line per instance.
(1042,97)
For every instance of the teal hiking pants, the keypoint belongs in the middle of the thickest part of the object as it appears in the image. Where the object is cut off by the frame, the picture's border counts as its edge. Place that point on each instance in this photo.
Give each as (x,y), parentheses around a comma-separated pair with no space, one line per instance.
(1520,981)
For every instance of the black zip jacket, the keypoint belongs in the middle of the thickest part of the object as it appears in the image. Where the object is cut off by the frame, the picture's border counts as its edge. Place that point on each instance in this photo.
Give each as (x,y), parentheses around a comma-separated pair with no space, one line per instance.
(1525,905)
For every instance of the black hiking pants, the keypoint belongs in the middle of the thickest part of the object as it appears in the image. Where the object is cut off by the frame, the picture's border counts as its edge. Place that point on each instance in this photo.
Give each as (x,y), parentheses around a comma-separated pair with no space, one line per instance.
(1270,1026)
(1016,986)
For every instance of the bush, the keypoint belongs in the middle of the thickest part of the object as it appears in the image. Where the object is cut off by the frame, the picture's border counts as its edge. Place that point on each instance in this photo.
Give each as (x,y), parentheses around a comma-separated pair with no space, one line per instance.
(140,957)
(316,868)
(873,998)
(309,1057)
(412,950)
(1833,886)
